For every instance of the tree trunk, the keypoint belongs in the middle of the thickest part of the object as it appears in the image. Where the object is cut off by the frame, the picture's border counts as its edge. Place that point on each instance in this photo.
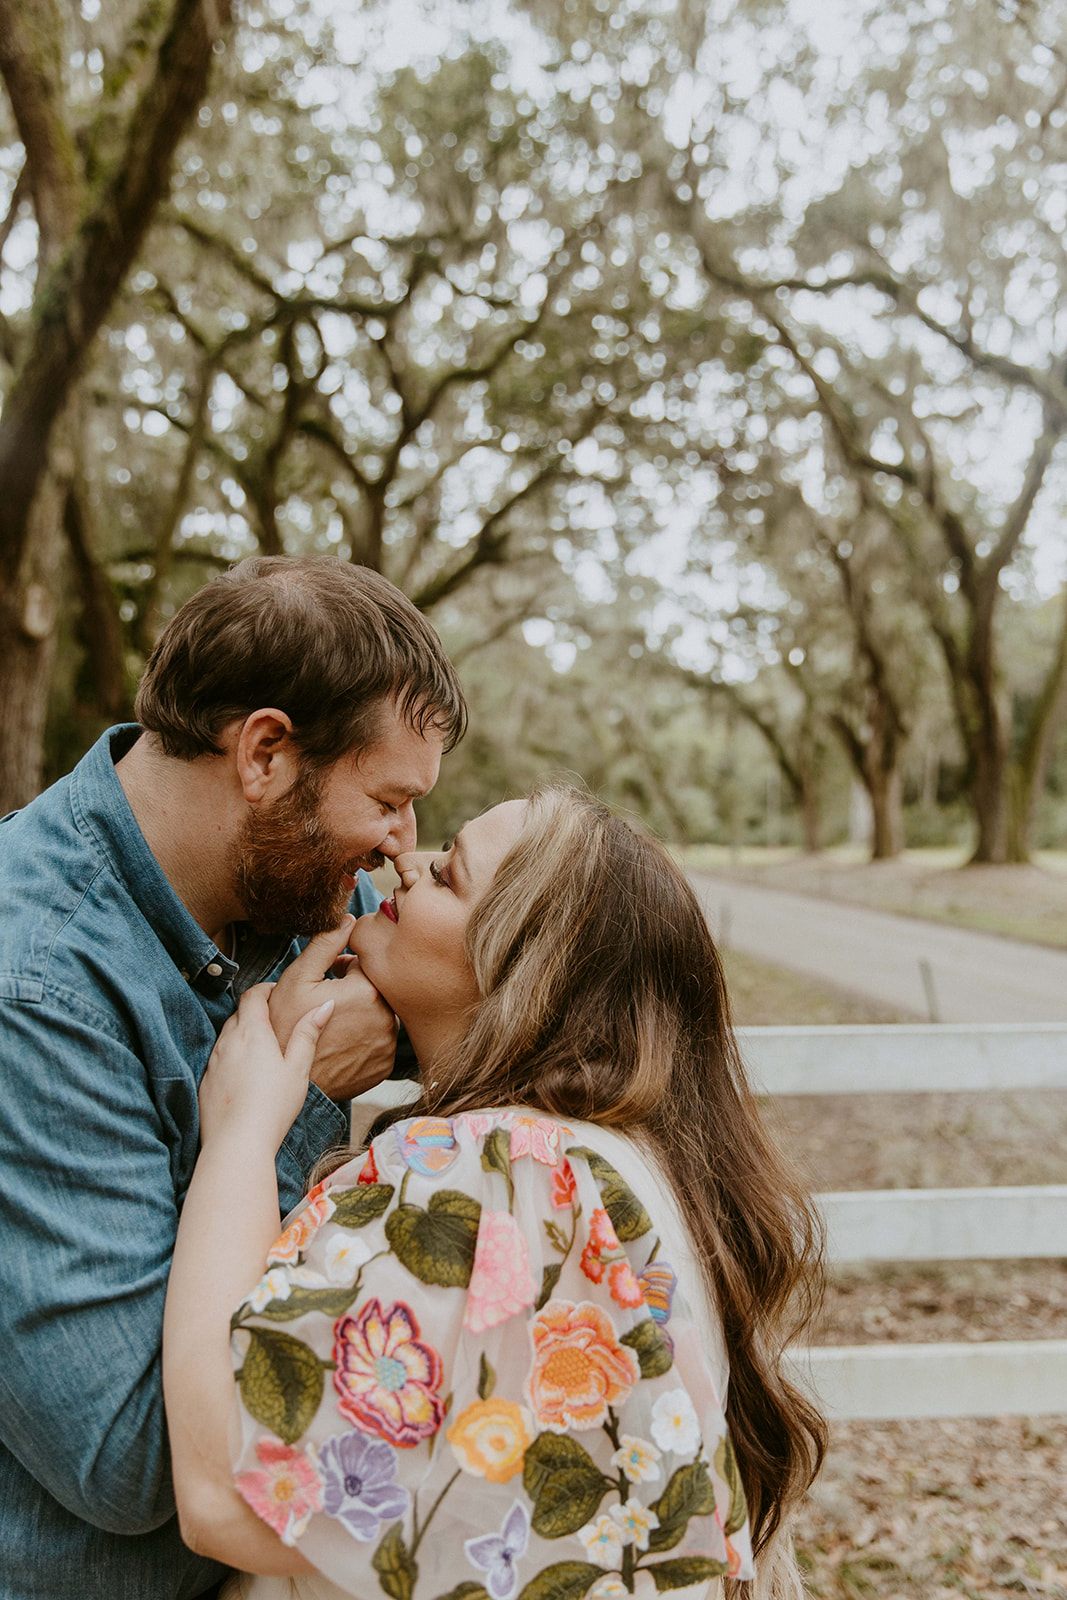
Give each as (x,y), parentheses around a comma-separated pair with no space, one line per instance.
(27,649)
(990,799)
(810,813)
(887,817)
(1029,770)
(99,630)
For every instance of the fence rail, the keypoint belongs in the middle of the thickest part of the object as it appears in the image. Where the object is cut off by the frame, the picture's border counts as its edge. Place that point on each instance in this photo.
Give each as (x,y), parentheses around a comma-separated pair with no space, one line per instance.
(914,1058)
(986,1378)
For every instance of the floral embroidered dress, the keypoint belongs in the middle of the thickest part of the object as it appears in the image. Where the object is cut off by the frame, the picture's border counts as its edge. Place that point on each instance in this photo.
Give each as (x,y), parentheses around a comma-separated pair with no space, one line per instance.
(470,1373)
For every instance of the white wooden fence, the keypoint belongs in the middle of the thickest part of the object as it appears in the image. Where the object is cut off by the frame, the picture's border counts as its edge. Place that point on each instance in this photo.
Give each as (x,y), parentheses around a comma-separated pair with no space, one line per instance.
(988,1378)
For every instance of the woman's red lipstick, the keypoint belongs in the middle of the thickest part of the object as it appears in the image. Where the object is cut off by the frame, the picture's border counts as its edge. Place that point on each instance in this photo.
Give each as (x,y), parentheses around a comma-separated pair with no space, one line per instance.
(388,908)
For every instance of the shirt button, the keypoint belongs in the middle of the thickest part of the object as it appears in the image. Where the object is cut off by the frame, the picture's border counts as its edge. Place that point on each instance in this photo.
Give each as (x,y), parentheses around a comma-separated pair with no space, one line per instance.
(214,970)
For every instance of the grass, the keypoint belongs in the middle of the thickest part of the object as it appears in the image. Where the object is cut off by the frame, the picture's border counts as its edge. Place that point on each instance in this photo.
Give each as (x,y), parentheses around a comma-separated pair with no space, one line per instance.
(766,996)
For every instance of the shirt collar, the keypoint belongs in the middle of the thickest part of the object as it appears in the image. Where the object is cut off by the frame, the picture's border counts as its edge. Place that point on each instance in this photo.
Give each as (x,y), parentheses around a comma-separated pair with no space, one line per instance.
(102,811)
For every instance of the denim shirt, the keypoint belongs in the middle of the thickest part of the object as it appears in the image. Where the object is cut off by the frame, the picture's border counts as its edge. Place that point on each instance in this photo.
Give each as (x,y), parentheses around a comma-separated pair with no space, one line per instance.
(111,998)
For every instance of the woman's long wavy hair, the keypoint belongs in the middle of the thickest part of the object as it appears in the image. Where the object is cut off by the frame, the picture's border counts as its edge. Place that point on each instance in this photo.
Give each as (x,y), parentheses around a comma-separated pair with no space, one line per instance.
(603,999)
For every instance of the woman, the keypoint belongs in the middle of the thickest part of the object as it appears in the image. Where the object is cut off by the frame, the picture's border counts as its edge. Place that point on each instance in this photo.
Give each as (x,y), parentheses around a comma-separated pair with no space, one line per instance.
(527,1346)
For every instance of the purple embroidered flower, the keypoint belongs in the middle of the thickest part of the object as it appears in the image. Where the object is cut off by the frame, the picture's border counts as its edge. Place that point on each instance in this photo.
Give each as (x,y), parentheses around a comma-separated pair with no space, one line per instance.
(497,1555)
(358,1483)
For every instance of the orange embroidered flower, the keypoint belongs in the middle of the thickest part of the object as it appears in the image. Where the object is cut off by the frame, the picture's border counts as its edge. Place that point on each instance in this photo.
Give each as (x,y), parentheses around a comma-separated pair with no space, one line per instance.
(622,1281)
(294,1240)
(579,1366)
(563,1186)
(604,1250)
(489,1439)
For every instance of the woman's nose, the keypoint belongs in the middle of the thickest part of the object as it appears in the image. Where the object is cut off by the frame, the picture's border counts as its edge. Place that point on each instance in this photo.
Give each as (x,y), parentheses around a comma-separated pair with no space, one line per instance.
(410,867)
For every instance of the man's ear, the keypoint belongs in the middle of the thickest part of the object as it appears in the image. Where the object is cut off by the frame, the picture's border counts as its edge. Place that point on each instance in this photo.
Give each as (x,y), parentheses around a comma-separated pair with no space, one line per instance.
(266,756)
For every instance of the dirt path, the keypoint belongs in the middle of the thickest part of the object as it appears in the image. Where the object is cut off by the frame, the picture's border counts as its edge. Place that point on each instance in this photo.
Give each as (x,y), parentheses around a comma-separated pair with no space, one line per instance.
(971,977)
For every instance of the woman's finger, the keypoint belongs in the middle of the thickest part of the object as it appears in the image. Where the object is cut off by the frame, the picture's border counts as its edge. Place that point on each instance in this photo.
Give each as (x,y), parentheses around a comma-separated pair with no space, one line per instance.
(304,1039)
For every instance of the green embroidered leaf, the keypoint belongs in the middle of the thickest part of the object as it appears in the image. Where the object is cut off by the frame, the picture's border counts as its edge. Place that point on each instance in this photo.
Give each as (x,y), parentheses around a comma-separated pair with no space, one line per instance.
(567,1580)
(437,1245)
(395,1565)
(281,1383)
(688,1494)
(332,1303)
(486,1378)
(465,1591)
(356,1207)
(556,1236)
(650,1347)
(549,1279)
(628,1216)
(728,1470)
(496,1157)
(564,1483)
(684,1570)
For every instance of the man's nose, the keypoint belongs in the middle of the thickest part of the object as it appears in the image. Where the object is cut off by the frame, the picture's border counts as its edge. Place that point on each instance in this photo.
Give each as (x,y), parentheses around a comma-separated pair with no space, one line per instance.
(402,834)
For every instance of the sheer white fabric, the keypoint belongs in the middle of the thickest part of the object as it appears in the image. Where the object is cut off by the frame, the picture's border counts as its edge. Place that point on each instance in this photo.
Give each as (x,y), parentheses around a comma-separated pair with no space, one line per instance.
(447,1390)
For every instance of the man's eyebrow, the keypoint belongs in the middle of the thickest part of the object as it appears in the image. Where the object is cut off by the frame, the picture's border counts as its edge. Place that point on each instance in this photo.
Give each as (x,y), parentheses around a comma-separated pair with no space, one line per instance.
(401,792)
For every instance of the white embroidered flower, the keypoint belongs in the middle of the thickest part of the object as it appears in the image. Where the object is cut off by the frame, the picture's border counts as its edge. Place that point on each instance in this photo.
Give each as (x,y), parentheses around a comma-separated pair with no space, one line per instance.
(602,1540)
(274,1286)
(638,1459)
(345,1254)
(674,1423)
(634,1523)
(306,1278)
(609,1588)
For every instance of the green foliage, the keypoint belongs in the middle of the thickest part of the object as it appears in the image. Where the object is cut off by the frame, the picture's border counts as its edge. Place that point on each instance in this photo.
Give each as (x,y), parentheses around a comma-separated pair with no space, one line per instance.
(437,1245)
(281,1381)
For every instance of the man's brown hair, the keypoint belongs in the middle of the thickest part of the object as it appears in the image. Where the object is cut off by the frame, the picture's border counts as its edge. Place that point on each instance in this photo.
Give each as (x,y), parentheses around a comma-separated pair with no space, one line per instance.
(328,643)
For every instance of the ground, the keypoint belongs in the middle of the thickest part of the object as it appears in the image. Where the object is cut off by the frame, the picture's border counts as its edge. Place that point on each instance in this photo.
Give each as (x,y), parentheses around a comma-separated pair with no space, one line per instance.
(928,1509)
(1024,902)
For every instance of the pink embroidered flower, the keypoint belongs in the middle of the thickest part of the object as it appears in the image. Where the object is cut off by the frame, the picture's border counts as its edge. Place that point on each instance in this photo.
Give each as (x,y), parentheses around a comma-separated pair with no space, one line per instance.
(537,1137)
(285,1493)
(623,1284)
(501,1280)
(479,1123)
(564,1186)
(368,1172)
(295,1239)
(386,1380)
(579,1366)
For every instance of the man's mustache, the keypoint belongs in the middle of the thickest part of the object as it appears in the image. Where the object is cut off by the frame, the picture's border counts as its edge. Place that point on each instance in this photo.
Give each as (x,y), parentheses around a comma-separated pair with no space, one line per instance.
(369,863)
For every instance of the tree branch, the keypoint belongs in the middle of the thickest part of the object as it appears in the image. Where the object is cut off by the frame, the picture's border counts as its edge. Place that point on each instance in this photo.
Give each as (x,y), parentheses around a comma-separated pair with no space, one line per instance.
(78,292)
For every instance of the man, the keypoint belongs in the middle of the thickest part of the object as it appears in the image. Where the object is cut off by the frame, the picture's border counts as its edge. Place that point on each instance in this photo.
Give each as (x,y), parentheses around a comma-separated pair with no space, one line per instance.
(290,714)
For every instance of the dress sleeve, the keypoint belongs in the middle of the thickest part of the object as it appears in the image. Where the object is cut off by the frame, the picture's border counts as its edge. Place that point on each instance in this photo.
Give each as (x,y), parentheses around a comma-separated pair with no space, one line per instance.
(466,1373)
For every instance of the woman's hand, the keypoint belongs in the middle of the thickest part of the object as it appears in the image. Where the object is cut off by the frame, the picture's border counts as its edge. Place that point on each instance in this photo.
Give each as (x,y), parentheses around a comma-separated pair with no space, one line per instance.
(252,1086)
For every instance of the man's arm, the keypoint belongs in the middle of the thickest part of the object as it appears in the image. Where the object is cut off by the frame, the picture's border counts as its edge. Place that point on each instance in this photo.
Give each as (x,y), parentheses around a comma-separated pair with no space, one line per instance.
(88,1217)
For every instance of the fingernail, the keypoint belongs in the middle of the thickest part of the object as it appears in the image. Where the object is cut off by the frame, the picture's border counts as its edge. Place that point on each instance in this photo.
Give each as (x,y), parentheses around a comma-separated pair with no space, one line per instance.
(320,1014)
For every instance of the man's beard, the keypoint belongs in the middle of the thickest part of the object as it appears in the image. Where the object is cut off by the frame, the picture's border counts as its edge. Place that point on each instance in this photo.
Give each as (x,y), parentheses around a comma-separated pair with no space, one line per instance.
(289,867)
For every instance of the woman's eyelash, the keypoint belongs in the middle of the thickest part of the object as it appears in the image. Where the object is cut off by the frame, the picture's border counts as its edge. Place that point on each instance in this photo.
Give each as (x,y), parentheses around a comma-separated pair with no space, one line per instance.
(437,875)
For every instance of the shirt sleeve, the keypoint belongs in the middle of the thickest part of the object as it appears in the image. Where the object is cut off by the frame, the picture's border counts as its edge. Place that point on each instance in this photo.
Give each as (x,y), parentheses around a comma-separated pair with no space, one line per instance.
(467,1343)
(88,1218)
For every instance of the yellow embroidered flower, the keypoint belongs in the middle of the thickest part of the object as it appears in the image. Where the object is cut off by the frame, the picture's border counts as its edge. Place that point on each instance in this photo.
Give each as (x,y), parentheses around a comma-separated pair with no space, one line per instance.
(489,1439)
